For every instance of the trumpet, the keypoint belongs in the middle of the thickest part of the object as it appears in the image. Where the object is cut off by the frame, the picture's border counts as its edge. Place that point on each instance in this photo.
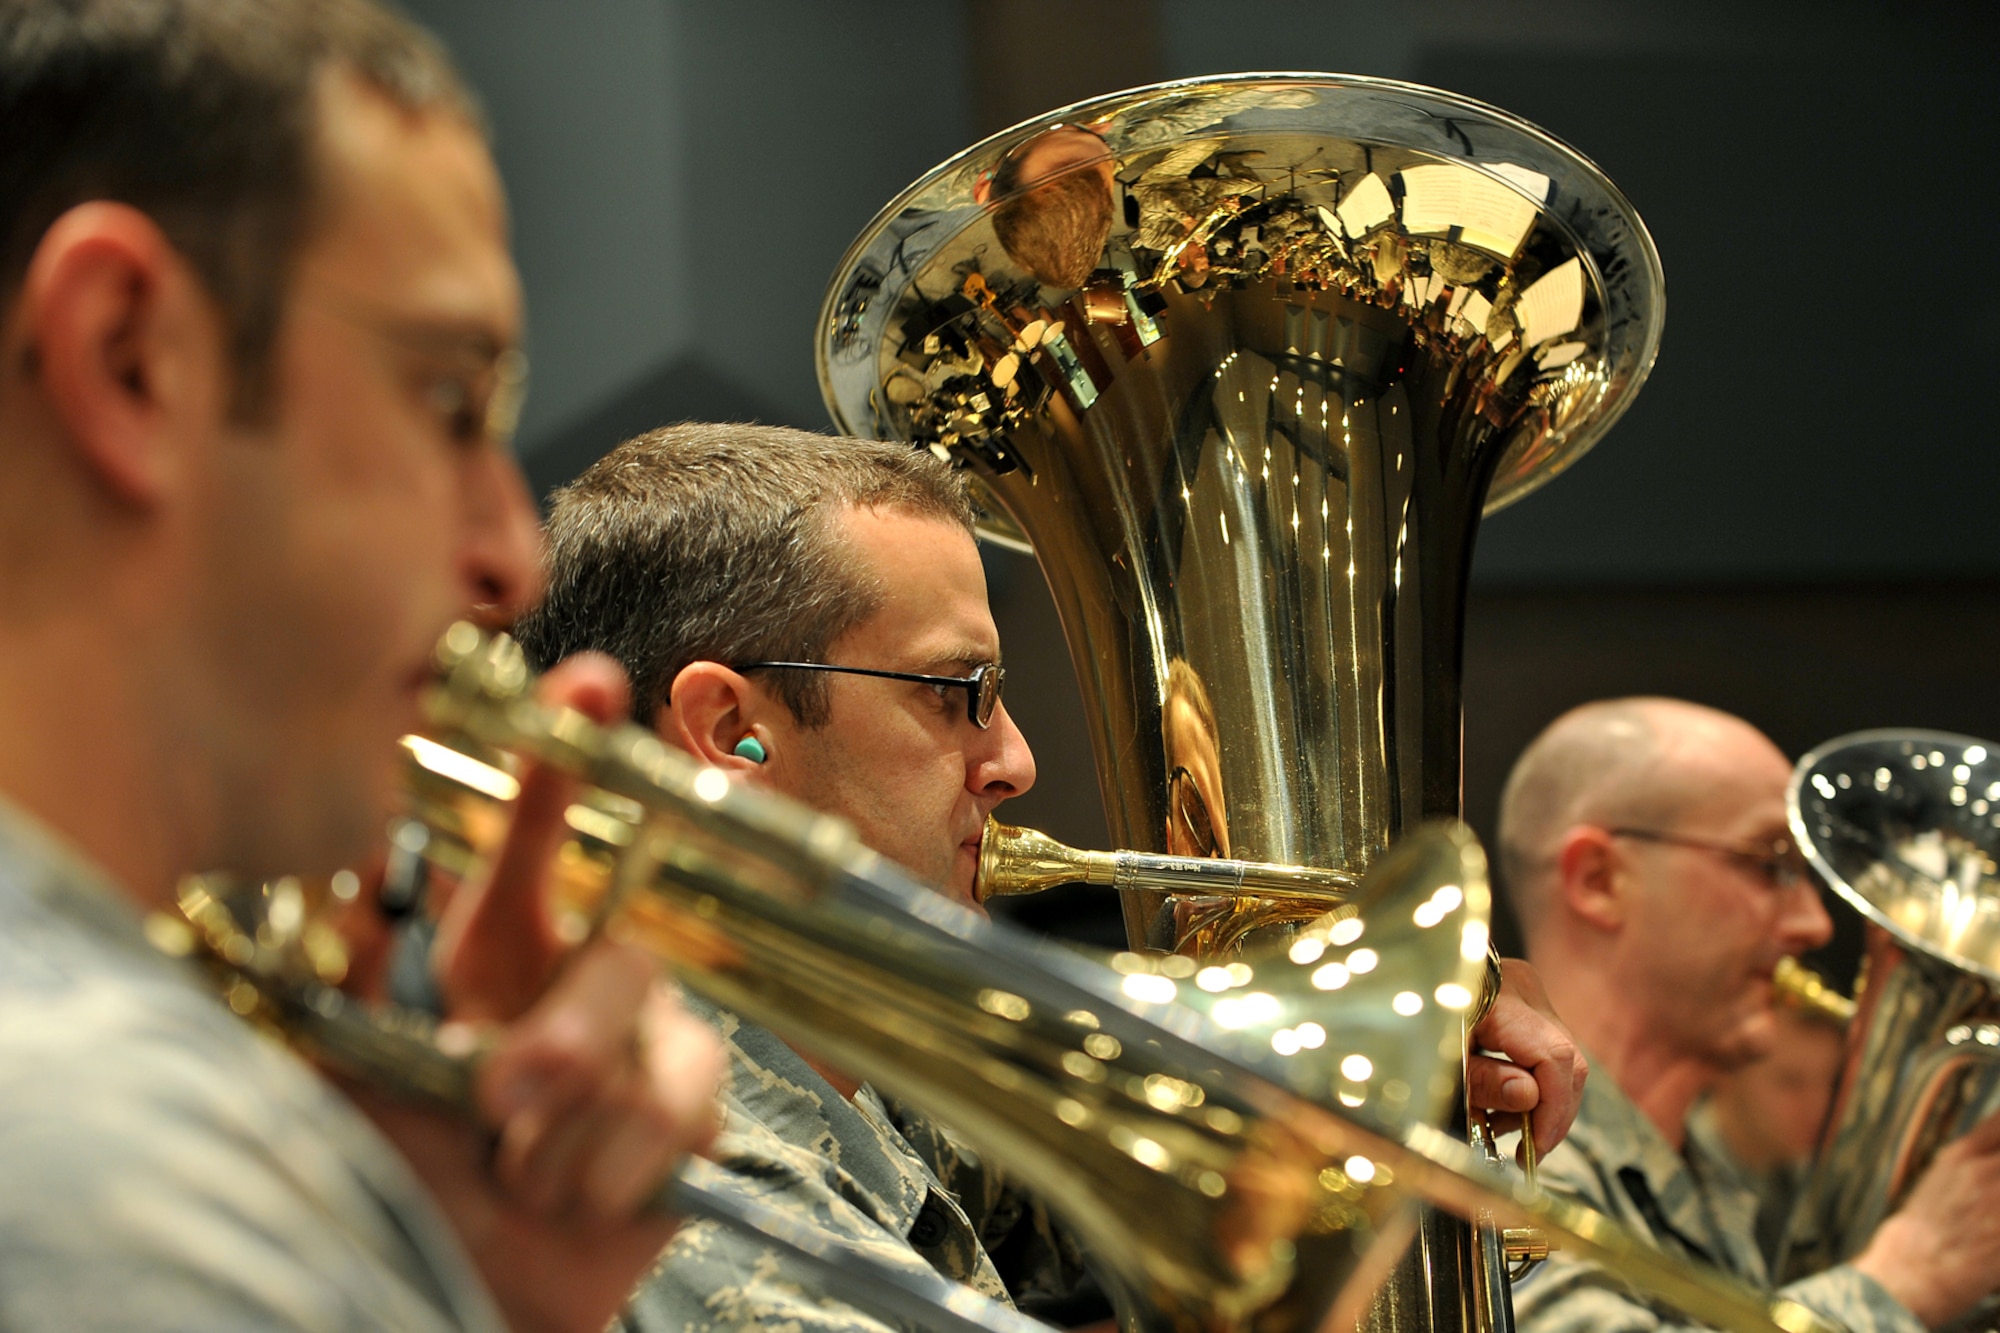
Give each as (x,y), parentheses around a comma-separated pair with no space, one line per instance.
(1240,1145)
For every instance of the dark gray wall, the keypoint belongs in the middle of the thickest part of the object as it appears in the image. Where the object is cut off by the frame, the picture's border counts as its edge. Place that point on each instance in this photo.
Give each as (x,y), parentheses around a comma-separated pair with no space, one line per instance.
(1818,410)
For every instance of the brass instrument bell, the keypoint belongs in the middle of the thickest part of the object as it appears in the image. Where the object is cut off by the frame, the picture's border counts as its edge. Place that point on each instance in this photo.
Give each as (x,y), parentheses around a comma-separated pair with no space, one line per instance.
(1904,826)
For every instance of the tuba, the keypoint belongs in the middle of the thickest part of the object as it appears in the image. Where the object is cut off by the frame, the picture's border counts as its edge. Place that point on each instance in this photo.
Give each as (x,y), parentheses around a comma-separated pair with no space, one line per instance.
(1240,1148)
(1242,360)
(1905,827)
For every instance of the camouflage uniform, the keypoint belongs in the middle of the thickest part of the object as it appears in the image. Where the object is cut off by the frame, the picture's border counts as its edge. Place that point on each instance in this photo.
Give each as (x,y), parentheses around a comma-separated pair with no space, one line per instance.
(1618,1162)
(1777,1189)
(877,1176)
(164,1166)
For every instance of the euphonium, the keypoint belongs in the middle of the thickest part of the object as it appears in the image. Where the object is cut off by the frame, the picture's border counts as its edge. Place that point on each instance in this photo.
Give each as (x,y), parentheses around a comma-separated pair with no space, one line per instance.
(1234,1145)
(1905,827)
(1243,360)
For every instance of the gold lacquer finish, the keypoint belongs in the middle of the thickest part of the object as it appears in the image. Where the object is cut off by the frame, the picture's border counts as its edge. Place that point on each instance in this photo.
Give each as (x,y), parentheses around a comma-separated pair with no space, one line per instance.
(1905,828)
(1243,360)
(1022,860)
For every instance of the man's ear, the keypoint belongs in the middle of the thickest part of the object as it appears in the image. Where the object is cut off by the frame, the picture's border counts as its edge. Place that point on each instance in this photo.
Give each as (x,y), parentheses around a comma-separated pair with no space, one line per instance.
(126,346)
(710,710)
(1590,878)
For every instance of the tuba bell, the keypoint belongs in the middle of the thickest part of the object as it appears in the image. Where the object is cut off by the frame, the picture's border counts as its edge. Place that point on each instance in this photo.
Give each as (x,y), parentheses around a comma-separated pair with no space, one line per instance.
(1905,827)
(1243,360)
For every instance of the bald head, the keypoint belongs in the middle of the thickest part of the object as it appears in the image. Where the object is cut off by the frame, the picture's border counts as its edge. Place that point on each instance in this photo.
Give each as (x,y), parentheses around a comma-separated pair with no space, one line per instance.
(1617,763)
(1643,844)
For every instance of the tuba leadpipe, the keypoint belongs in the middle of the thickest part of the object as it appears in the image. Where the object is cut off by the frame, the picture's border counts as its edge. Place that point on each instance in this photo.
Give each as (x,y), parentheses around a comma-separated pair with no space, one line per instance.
(1805,991)
(1241,1155)
(1015,860)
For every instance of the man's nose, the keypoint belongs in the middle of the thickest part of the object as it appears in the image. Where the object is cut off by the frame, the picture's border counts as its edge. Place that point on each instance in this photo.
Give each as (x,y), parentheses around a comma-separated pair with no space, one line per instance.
(1806,923)
(1004,766)
(502,553)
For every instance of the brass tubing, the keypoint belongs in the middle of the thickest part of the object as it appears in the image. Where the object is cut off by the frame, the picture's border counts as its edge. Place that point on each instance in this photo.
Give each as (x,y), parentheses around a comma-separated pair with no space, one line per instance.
(1022,860)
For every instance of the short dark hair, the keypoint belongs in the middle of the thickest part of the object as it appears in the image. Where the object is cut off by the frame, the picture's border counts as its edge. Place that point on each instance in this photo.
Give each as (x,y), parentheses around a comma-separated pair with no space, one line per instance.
(202,114)
(716,543)
(1056,230)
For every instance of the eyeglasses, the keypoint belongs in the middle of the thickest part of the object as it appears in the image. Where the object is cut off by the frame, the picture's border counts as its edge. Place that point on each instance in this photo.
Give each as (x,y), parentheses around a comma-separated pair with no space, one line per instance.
(1779,863)
(982,687)
(476,402)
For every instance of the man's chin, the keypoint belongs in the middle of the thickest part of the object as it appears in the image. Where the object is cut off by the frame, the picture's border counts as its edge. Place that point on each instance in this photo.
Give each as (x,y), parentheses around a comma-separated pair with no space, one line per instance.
(1750,1041)
(959,890)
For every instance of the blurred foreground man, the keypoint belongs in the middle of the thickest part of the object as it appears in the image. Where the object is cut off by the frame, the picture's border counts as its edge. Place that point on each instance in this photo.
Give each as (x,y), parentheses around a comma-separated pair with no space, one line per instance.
(810,614)
(257,321)
(1643,845)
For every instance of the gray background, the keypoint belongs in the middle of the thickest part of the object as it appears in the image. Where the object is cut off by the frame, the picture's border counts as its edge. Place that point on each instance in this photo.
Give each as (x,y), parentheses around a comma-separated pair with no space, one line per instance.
(1791,523)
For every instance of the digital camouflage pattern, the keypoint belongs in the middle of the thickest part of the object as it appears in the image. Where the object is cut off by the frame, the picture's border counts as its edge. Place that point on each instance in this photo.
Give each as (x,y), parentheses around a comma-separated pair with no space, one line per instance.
(884,1179)
(1777,1189)
(1691,1206)
(163,1165)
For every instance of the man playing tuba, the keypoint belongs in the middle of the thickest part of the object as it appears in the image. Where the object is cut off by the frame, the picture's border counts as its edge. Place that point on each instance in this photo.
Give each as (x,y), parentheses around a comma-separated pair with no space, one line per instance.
(810,614)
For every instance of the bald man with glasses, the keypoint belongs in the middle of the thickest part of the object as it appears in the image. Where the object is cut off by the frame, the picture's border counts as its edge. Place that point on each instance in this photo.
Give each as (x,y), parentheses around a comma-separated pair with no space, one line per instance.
(1643,844)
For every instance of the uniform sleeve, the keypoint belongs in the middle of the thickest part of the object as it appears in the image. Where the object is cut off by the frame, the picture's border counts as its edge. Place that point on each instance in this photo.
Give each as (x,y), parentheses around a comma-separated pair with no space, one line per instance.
(1569,1295)
(1853,1299)
(712,1279)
